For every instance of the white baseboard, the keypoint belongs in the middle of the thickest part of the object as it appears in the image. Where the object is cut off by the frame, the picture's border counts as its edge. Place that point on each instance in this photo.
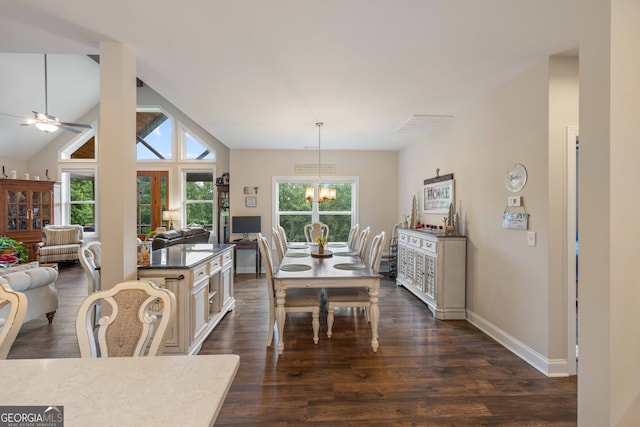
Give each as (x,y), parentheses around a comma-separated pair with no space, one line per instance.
(549,367)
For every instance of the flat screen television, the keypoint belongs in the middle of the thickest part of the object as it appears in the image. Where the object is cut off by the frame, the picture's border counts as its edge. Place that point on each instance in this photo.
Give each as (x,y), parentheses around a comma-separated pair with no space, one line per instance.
(245,224)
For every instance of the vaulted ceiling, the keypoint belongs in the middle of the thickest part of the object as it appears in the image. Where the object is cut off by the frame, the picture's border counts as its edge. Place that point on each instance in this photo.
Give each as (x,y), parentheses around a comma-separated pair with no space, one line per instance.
(260,74)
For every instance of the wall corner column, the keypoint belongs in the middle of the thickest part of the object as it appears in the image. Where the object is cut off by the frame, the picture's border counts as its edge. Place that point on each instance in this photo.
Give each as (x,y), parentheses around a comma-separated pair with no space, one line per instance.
(117,163)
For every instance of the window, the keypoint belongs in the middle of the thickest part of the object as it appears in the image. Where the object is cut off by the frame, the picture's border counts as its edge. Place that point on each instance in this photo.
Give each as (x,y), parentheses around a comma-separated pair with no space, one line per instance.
(293,211)
(154,139)
(198,198)
(79,190)
(194,149)
(82,147)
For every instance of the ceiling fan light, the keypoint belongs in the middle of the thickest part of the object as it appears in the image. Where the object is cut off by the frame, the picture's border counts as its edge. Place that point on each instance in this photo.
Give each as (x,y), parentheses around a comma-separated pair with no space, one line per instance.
(46,127)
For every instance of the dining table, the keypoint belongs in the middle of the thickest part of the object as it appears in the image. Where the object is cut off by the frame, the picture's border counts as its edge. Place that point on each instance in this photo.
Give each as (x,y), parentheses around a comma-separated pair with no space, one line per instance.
(338,267)
(155,391)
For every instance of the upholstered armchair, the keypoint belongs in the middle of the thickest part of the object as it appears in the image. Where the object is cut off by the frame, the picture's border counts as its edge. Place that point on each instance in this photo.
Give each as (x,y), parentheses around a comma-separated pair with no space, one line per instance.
(60,243)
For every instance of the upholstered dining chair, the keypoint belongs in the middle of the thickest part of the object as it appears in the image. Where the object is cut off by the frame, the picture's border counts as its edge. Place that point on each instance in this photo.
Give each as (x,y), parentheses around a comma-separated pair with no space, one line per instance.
(354,297)
(11,318)
(316,229)
(280,248)
(353,235)
(361,244)
(141,314)
(297,300)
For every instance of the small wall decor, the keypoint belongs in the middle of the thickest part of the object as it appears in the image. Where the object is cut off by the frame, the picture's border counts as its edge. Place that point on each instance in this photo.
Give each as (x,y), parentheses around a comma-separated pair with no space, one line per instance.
(515,178)
(438,193)
(515,220)
(250,202)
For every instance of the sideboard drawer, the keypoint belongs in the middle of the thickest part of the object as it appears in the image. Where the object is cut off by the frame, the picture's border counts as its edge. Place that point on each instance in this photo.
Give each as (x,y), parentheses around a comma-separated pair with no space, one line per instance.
(428,245)
(415,241)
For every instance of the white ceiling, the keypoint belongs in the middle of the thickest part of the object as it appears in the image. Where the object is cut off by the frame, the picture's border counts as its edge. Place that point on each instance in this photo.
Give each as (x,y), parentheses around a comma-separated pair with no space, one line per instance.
(260,74)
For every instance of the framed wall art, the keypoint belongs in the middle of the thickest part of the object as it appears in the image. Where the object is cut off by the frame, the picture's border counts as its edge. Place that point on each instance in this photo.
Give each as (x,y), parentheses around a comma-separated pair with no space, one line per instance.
(250,202)
(438,194)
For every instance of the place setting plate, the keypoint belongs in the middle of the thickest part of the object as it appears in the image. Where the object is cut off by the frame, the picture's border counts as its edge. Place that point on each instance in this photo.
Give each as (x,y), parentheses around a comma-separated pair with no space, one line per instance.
(295,267)
(336,245)
(296,254)
(345,253)
(350,266)
(297,245)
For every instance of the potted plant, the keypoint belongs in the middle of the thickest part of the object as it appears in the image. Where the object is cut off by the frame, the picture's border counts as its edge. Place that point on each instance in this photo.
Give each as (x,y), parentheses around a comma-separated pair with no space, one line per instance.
(9,246)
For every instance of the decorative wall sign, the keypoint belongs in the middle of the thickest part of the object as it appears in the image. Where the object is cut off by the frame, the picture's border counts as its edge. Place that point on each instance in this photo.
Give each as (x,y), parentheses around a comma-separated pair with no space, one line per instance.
(438,194)
(515,220)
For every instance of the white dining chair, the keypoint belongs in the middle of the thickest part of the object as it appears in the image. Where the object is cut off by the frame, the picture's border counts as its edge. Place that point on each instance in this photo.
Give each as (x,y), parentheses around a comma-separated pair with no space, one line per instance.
(297,300)
(280,248)
(283,236)
(361,244)
(316,229)
(90,256)
(13,308)
(353,236)
(140,316)
(354,297)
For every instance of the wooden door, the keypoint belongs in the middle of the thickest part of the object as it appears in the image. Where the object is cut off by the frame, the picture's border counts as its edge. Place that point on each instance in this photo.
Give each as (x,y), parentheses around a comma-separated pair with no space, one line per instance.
(153,199)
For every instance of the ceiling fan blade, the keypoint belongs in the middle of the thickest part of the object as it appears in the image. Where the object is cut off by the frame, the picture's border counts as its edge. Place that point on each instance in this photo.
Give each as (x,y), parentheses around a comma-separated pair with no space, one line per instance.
(11,115)
(76,125)
(68,129)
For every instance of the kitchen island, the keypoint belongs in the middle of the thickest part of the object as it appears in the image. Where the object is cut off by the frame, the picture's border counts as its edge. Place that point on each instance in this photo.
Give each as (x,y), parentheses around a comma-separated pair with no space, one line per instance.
(201,278)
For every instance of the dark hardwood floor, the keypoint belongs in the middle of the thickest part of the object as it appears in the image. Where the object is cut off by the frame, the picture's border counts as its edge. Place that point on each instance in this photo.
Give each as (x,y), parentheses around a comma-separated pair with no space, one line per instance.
(426,372)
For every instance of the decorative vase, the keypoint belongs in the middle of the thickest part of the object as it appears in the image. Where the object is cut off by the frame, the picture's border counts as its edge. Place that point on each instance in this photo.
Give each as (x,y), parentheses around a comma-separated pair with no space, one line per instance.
(320,248)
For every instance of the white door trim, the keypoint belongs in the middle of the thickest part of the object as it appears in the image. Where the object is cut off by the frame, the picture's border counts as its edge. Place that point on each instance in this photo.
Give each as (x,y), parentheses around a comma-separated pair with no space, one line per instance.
(572,348)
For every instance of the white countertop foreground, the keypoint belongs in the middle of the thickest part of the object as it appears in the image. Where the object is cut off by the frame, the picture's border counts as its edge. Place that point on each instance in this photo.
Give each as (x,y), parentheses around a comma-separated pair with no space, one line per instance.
(125,391)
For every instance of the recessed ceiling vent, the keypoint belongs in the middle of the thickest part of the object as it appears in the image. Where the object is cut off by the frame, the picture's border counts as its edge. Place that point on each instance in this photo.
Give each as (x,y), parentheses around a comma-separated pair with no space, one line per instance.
(325,169)
(422,123)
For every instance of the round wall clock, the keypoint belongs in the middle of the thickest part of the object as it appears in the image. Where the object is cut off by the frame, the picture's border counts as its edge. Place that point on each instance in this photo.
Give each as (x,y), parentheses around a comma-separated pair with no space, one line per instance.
(515,178)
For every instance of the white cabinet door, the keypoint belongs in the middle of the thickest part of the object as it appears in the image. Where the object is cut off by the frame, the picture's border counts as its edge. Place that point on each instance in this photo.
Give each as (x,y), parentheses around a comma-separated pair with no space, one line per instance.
(199,307)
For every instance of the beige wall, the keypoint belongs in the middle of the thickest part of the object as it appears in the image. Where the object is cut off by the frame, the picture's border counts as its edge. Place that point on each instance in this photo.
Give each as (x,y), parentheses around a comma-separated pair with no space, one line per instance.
(508,285)
(377,172)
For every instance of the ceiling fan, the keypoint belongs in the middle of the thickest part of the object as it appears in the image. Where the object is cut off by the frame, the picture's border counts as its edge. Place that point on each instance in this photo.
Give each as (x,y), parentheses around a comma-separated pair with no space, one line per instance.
(49,123)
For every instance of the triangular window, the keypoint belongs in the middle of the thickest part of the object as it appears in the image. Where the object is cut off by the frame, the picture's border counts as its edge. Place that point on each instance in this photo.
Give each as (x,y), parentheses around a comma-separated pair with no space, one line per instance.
(153,135)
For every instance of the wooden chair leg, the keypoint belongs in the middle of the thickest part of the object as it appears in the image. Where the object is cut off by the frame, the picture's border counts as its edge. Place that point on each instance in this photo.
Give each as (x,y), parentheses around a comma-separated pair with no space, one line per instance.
(50,316)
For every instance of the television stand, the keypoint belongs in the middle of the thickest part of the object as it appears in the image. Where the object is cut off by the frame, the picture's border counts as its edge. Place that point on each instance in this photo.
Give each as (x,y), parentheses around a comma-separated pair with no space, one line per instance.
(247,245)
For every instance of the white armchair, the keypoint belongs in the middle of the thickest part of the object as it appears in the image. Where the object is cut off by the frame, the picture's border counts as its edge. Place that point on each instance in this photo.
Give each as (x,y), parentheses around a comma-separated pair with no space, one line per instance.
(60,243)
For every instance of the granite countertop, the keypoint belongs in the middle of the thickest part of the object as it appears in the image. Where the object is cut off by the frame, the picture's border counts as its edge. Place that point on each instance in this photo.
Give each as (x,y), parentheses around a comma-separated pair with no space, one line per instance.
(185,256)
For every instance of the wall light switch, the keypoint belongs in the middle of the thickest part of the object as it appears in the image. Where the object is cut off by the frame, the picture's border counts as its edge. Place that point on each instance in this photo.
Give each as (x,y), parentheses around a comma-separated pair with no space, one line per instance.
(531,238)
(514,201)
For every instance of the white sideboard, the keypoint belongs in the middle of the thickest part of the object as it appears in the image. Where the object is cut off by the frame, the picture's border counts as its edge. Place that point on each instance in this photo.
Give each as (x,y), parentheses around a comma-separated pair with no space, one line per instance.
(434,269)
(201,278)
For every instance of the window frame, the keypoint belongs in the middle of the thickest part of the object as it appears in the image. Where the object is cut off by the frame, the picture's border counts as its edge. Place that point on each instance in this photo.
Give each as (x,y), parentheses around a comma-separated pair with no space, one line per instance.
(64,154)
(182,142)
(315,211)
(183,194)
(65,196)
(174,130)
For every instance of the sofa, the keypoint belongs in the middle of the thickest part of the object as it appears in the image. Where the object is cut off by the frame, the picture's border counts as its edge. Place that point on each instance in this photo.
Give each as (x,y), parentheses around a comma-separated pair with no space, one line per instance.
(60,243)
(37,283)
(185,235)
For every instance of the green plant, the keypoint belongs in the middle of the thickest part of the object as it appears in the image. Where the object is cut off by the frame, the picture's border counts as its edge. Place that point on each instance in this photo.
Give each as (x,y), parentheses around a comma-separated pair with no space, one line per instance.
(19,250)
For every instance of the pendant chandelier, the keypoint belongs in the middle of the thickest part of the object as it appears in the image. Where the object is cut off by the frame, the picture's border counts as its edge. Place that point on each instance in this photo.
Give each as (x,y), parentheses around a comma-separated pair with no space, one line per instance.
(324,194)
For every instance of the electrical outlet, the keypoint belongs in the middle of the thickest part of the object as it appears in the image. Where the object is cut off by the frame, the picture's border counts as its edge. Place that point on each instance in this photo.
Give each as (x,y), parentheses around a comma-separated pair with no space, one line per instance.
(531,238)
(514,201)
